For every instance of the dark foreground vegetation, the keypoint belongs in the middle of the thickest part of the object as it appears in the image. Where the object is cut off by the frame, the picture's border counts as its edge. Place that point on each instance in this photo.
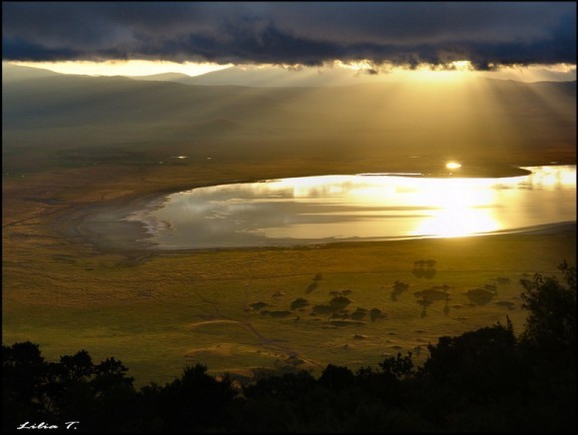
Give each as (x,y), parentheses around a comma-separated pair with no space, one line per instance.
(488,380)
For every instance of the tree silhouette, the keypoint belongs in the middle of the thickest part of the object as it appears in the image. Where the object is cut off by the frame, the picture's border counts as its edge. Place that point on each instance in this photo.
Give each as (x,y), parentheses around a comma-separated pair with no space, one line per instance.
(195,402)
(551,322)
(24,389)
(397,289)
(424,268)
(336,377)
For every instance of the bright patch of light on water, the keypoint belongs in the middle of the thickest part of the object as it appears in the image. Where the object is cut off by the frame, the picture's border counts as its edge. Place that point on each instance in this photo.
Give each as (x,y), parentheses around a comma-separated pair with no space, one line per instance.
(323,209)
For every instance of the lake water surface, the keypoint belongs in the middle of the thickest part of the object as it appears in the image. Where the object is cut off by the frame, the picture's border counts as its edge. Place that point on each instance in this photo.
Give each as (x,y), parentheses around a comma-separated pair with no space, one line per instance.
(313,210)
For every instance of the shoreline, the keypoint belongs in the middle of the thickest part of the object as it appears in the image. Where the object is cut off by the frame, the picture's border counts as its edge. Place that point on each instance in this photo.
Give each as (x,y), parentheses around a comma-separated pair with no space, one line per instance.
(123,233)
(123,226)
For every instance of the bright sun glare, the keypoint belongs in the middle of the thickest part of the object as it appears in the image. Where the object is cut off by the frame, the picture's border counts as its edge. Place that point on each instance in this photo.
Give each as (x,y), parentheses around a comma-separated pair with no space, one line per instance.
(453,165)
(127,68)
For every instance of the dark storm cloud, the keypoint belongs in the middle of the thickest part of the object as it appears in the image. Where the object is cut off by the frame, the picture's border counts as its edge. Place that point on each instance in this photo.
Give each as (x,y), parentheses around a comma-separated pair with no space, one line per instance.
(293,33)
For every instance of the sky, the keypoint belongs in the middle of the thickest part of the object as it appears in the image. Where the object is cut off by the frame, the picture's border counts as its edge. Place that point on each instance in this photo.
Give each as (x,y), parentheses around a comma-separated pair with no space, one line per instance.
(199,36)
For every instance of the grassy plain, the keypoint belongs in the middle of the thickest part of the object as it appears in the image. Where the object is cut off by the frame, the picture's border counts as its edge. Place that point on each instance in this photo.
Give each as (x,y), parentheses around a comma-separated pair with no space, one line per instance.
(157,311)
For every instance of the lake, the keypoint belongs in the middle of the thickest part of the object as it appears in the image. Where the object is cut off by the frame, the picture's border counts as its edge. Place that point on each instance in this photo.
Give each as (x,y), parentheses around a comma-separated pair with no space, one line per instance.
(337,208)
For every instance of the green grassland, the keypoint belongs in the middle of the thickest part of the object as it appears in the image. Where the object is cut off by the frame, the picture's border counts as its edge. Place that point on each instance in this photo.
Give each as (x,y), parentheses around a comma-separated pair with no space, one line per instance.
(236,310)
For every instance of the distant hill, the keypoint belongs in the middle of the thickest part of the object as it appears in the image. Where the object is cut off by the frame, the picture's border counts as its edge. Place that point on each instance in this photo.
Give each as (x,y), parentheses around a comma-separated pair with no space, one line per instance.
(274,76)
(164,77)
(269,76)
(370,122)
(62,100)
(567,87)
(12,73)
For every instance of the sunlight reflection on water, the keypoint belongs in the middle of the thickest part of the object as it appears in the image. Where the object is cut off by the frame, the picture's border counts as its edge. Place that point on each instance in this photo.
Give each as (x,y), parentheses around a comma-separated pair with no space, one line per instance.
(312,210)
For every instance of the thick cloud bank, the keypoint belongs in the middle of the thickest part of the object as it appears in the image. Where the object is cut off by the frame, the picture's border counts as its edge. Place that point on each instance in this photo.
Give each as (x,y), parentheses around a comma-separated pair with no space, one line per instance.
(403,33)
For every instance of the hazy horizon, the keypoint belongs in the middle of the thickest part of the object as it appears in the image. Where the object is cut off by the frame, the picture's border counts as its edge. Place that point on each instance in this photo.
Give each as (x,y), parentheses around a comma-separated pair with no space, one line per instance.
(352,73)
